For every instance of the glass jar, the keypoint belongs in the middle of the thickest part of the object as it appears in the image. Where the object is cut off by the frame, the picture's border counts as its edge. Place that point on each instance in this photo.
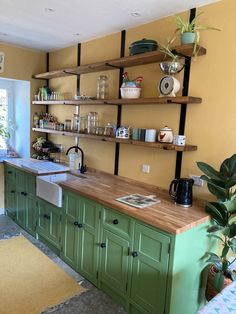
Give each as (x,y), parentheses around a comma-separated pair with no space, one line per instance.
(76,122)
(83,124)
(102,87)
(109,130)
(92,122)
(67,125)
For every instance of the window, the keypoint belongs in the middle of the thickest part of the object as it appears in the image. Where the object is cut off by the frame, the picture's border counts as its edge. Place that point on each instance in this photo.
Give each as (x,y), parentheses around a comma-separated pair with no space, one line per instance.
(6,115)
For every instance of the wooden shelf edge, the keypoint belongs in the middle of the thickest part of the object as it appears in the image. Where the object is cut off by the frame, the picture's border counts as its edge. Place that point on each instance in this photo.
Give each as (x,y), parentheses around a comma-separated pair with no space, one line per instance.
(163,146)
(144,58)
(137,101)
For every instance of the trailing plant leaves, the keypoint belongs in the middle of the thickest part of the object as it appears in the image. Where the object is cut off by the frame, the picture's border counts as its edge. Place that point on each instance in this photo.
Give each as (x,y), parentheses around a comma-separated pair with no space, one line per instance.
(210,171)
(218,281)
(218,211)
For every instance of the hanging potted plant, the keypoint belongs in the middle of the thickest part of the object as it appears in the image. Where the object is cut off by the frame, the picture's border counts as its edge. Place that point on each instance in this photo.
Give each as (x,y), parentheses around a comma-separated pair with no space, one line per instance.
(222,184)
(190,31)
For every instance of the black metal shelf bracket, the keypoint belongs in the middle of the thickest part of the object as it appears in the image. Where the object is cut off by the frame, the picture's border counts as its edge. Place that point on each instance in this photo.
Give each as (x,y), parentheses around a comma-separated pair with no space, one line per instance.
(119,107)
(183,110)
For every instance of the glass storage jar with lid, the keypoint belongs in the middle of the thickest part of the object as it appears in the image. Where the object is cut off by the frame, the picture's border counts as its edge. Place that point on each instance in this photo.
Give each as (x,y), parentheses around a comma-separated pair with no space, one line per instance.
(83,127)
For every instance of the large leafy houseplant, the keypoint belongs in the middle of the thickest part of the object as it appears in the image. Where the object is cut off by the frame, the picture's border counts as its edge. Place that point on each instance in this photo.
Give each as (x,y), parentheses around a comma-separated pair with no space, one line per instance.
(222,184)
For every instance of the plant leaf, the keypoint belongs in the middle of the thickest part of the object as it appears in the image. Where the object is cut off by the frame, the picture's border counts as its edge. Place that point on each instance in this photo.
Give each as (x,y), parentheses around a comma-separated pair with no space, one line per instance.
(232,230)
(218,211)
(233,275)
(228,167)
(210,171)
(225,251)
(233,246)
(231,206)
(221,194)
(215,236)
(218,281)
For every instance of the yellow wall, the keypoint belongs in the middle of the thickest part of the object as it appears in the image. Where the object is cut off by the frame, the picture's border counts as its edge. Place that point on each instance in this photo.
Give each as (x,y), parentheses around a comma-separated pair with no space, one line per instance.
(210,125)
(21,64)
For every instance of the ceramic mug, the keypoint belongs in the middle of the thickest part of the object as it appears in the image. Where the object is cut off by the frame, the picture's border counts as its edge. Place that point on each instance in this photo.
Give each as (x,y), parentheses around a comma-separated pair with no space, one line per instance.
(150,135)
(179,140)
(136,134)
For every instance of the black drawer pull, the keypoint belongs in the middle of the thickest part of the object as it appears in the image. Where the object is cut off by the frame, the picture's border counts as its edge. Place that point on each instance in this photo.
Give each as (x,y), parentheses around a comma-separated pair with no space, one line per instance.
(76,223)
(25,194)
(80,225)
(9,172)
(22,193)
(12,191)
(103,245)
(115,222)
(135,254)
(46,216)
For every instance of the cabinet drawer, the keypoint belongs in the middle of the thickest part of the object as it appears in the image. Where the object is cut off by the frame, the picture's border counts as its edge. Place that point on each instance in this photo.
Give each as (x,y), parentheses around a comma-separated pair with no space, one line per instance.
(117,222)
(9,173)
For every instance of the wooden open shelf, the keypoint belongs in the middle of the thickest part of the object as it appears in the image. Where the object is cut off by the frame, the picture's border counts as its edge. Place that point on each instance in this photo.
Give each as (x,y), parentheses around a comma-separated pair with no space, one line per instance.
(138,101)
(139,59)
(164,146)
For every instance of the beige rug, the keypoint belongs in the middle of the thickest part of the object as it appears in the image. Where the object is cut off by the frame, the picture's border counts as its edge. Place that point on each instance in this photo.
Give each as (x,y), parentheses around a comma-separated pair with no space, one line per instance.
(29,281)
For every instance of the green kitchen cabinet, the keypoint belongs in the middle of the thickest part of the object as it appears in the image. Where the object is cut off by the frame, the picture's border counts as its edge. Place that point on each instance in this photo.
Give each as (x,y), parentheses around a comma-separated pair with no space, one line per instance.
(115,257)
(31,215)
(10,199)
(149,268)
(80,234)
(49,223)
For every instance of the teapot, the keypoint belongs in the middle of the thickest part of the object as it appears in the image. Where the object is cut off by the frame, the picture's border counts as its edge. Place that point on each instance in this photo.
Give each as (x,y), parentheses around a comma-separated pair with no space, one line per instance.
(165,135)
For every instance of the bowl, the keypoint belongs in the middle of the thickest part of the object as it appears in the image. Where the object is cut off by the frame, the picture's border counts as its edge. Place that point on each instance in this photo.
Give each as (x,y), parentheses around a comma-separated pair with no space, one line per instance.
(130,92)
(171,67)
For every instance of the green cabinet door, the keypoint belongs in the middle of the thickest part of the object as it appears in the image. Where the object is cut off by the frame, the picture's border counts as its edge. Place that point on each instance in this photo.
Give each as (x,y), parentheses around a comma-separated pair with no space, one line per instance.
(49,222)
(20,197)
(10,199)
(114,252)
(70,221)
(88,239)
(30,215)
(149,269)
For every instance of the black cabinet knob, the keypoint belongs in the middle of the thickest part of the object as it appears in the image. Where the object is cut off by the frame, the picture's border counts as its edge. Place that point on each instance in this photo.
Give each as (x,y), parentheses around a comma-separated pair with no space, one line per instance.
(103,245)
(115,222)
(135,254)
(25,194)
(46,216)
(22,193)
(9,172)
(76,223)
(80,225)
(12,191)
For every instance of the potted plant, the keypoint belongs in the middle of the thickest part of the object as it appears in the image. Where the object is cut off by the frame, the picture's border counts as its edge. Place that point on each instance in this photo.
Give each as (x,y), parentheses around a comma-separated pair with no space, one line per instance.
(190,31)
(222,184)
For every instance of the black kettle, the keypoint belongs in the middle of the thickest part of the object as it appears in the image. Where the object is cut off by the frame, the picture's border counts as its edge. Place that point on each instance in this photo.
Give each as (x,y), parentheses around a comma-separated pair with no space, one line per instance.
(181,191)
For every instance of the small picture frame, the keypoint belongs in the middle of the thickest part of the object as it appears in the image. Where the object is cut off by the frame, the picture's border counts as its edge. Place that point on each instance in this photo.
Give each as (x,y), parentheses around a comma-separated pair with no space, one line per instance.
(2,57)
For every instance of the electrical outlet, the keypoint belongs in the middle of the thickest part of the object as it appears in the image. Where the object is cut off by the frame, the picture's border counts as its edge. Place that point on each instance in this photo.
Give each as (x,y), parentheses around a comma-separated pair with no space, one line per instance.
(145,168)
(197,180)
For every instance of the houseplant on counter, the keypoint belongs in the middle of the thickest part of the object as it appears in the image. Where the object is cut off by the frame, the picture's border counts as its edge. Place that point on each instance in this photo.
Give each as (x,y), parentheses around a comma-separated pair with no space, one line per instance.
(222,184)
(190,31)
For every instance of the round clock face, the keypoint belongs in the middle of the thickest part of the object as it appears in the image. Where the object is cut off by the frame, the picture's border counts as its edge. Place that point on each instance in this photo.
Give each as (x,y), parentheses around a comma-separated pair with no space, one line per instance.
(166,85)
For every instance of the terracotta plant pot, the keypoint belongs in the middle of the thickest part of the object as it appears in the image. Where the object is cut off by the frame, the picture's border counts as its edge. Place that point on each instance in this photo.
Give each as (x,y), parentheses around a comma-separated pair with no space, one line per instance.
(210,290)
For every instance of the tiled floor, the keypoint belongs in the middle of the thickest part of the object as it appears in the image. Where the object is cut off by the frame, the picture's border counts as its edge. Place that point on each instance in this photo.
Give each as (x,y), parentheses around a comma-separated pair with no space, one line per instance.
(93,301)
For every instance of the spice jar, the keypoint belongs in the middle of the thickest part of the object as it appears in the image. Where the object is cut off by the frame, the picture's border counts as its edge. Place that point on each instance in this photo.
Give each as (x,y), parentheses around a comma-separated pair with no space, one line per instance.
(102,87)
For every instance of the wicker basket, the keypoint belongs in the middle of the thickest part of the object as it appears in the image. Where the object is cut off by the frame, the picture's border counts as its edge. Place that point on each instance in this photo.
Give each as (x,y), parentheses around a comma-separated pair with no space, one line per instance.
(210,290)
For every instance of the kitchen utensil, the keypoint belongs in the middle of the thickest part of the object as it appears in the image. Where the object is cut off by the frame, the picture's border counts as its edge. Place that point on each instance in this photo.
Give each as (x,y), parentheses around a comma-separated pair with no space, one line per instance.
(181,191)
(142,46)
(165,135)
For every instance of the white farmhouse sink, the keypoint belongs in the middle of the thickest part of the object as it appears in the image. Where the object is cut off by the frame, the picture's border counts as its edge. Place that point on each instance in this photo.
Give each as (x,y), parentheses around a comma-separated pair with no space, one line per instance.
(47,187)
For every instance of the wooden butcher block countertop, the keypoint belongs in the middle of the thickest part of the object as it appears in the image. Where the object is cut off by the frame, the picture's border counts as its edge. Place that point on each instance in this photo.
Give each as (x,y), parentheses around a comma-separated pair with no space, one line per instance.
(105,188)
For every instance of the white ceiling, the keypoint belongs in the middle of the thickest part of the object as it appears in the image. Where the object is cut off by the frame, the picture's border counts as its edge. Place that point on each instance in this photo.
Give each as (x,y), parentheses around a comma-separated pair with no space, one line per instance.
(26,22)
